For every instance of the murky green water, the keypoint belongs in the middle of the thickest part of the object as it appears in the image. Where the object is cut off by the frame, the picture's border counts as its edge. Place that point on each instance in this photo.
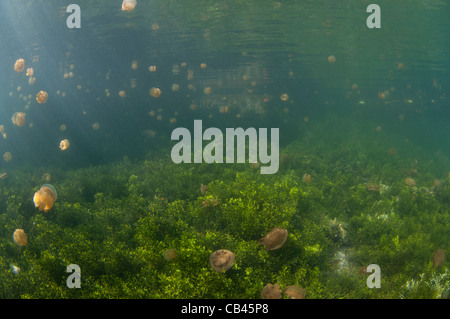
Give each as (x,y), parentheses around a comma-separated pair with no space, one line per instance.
(363,119)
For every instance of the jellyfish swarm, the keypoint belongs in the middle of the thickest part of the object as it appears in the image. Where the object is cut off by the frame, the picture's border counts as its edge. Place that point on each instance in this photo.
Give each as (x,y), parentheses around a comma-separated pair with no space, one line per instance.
(41,97)
(128,5)
(19,65)
(19,237)
(18,118)
(45,197)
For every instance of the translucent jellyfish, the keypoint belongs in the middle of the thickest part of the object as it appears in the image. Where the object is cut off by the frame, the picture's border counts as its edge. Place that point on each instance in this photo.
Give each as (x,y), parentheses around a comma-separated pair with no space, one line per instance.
(152,68)
(134,65)
(96,126)
(18,118)
(128,5)
(331,59)
(170,254)
(30,72)
(155,92)
(207,90)
(19,237)
(271,292)
(122,93)
(175,87)
(41,97)
(19,65)
(64,144)
(7,156)
(295,292)
(438,258)
(284,97)
(45,197)
(274,239)
(221,260)
(203,66)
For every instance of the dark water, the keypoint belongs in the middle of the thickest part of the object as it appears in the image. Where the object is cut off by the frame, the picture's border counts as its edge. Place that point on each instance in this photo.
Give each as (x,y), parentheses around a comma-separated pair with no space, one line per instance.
(278,48)
(367,89)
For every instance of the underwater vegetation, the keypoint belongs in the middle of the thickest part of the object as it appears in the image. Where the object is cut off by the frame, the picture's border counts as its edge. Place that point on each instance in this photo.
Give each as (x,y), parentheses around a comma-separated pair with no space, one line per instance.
(154,229)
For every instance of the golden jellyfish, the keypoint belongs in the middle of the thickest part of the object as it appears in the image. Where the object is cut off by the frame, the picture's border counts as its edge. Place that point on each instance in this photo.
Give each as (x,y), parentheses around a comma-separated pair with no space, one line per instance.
(306,178)
(134,65)
(331,59)
(203,66)
(96,126)
(172,120)
(295,292)
(221,260)
(284,97)
(410,182)
(438,258)
(170,254)
(7,156)
(274,239)
(128,5)
(45,197)
(207,90)
(19,65)
(122,93)
(30,72)
(64,144)
(18,118)
(379,128)
(152,68)
(175,87)
(41,97)
(155,92)
(63,127)
(20,237)
(271,292)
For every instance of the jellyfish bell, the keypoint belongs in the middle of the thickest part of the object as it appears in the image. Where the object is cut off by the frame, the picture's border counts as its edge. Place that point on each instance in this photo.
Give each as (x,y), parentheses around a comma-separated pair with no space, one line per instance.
(221,260)
(271,292)
(170,254)
(64,144)
(128,5)
(20,237)
(295,292)
(19,65)
(155,92)
(41,97)
(45,197)
(18,118)
(30,72)
(7,156)
(274,239)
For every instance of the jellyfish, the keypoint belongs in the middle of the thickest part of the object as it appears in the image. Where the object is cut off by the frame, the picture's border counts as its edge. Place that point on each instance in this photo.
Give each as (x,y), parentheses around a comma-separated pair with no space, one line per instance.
(15,270)
(284,97)
(410,182)
(41,97)
(64,144)
(295,292)
(331,59)
(18,118)
(96,126)
(19,237)
(271,292)
(134,65)
(30,72)
(207,90)
(306,178)
(203,66)
(175,87)
(19,65)
(45,197)
(221,260)
(155,92)
(152,68)
(122,93)
(128,5)
(274,239)
(438,258)
(7,156)
(170,254)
